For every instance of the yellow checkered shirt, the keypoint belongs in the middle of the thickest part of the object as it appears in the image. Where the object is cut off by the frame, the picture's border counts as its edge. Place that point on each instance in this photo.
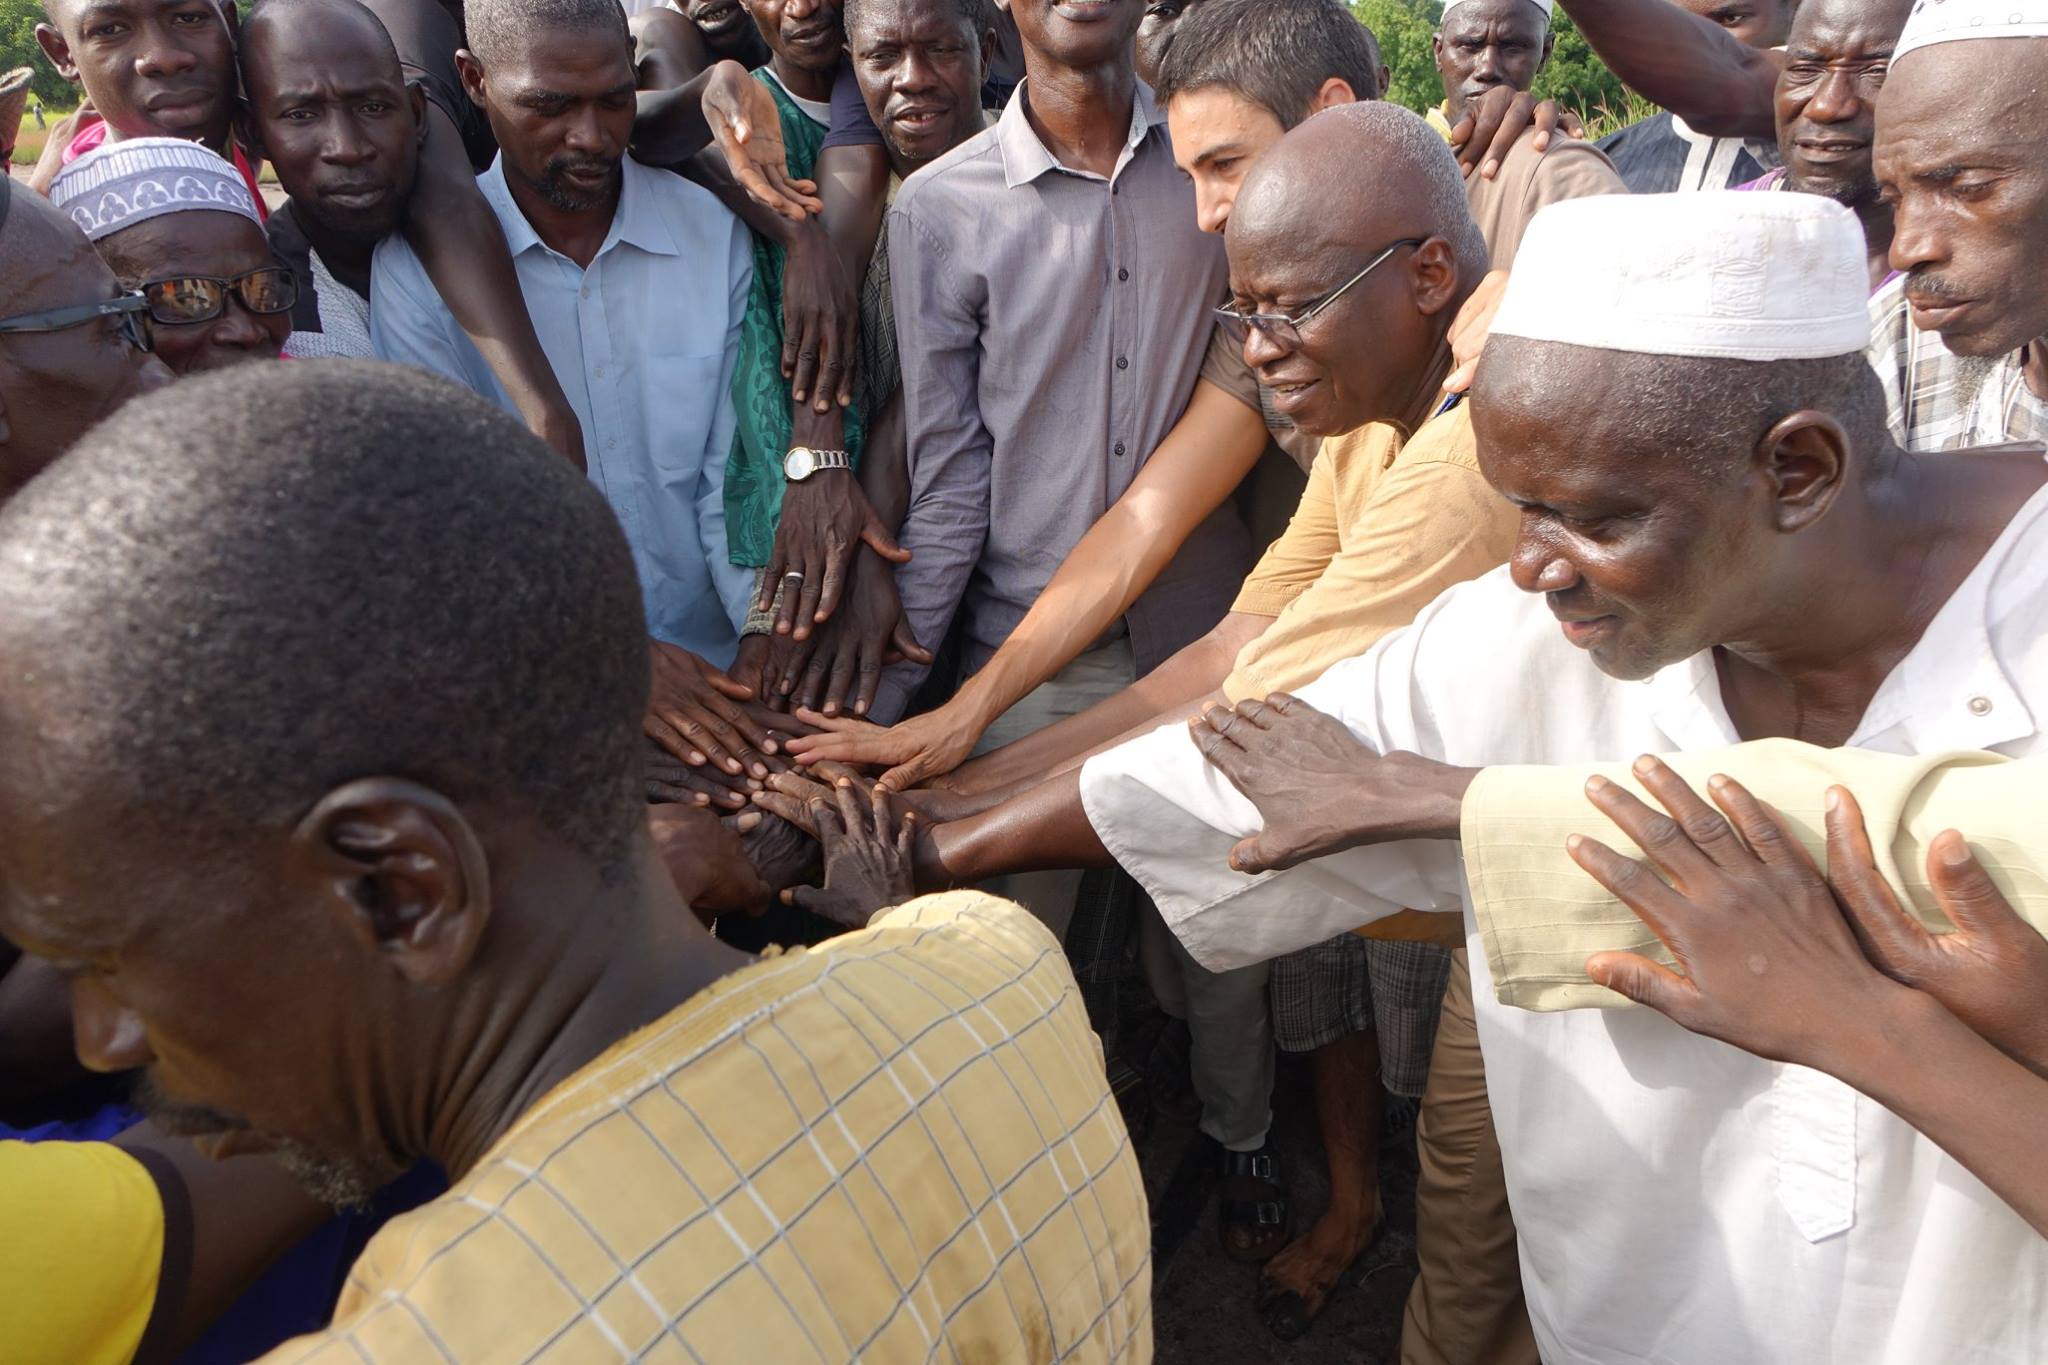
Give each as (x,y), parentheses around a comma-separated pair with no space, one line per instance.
(897,1146)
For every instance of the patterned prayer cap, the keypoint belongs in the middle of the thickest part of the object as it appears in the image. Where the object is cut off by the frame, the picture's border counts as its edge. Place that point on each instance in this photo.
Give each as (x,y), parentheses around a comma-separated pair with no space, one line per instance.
(121,184)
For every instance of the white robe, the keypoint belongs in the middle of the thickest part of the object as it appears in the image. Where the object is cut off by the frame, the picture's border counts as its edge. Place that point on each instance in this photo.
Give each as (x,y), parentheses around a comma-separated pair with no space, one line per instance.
(1676,1199)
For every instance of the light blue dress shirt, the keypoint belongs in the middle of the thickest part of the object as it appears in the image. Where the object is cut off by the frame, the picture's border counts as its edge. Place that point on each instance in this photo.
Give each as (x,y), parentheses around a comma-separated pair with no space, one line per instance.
(644,344)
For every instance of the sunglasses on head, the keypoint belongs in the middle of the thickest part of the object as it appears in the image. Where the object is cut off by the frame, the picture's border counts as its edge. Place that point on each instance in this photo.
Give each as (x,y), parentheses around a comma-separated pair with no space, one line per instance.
(183,299)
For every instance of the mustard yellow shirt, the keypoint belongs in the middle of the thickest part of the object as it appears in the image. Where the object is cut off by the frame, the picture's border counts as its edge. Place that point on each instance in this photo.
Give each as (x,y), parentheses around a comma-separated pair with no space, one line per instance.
(1382,529)
(897,1146)
(78,1264)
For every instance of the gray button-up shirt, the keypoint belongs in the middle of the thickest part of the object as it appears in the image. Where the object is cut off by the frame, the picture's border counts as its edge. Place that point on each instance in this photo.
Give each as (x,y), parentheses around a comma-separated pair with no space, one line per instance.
(1051,326)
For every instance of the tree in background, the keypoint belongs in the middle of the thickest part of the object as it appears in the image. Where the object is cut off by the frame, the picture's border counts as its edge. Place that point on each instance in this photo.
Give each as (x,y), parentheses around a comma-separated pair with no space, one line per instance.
(1575,77)
(18,20)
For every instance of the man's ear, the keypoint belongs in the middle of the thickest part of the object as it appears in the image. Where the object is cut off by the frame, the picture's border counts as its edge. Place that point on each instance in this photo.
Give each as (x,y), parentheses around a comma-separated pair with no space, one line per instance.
(1433,276)
(402,870)
(1549,41)
(988,55)
(1386,79)
(472,72)
(1805,458)
(1335,91)
(57,50)
(419,112)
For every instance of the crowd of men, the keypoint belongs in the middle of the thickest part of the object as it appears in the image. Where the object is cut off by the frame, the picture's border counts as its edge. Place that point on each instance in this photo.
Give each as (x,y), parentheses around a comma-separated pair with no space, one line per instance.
(616,806)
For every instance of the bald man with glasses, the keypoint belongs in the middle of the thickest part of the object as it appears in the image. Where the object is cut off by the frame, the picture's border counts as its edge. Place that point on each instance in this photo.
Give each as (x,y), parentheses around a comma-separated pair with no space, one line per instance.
(73,346)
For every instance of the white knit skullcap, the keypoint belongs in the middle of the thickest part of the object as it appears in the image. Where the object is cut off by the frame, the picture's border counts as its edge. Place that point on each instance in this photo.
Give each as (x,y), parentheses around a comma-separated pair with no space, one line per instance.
(120,184)
(1948,21)
(1450,5)
(1721,274)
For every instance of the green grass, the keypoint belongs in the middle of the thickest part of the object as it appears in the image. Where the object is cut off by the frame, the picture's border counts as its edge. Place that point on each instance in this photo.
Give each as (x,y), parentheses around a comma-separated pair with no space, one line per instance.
(32,139)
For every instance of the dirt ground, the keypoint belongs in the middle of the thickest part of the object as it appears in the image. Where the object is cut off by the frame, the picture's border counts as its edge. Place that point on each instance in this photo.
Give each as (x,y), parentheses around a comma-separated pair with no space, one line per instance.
(1203,1303)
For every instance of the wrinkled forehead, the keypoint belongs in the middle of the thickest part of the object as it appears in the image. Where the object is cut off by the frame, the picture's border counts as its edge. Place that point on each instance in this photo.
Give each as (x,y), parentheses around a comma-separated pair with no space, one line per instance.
(1957,101)
(1483,18)
(198,242)
(875,24)
(582,63)
(1846,30)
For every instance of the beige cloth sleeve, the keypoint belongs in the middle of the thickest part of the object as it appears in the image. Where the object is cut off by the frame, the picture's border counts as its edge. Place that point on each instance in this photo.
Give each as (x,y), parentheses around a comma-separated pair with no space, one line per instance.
(1528,180)
(1540,916)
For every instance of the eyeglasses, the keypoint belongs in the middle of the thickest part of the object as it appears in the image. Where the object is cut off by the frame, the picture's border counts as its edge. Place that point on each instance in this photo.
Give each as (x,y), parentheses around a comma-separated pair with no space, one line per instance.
(185,299)
(1285,329)
(128,308)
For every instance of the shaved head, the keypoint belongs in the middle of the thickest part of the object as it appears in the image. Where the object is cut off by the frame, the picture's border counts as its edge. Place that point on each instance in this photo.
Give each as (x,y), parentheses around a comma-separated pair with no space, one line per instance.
(279,33)
(1356,223)
(54,385)
(1358,175)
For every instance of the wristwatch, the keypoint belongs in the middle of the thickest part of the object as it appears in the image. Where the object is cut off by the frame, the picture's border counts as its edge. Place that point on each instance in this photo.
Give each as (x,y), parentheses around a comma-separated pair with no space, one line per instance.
(802,462)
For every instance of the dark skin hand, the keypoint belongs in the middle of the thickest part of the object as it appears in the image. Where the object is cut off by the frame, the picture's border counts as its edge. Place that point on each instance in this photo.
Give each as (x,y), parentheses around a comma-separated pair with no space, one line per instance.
(694,712)
(820,317)
(669,779)
(1991,971)
(1767,961)
(1319,789)
(783,854)
(1492,123)
(867,851)
(708,861)
(845,669)
(826,519)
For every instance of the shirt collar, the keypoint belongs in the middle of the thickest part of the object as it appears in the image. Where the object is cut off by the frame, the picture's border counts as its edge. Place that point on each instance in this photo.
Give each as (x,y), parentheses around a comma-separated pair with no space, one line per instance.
(1951,691)
(1025,157)
(638,221)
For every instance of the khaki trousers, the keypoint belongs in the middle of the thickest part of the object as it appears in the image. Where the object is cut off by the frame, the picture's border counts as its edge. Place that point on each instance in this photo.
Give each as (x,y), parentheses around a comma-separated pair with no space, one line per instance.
(1466,1307)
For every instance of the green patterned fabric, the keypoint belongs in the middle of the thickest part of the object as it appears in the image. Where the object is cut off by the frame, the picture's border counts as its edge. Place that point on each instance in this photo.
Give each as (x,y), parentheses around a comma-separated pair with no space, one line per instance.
(760,395)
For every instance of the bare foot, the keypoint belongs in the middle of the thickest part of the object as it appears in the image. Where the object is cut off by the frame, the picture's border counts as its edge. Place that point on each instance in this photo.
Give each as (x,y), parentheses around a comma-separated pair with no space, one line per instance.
(1296,1284)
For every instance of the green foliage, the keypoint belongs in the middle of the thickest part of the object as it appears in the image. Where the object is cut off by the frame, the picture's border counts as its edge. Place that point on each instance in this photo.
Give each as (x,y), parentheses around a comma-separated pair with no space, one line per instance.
(1574,77)
(1404,29)
(18,20)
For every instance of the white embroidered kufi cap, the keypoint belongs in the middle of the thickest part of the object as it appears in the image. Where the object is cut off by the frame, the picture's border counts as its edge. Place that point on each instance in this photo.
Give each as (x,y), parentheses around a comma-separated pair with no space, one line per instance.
(1449,5)
(1720,274)
(1949,21)
(120,184)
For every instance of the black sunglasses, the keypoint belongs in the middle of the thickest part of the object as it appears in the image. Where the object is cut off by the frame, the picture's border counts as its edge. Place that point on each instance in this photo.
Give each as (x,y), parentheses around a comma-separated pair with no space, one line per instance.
(129,308)
(183,299)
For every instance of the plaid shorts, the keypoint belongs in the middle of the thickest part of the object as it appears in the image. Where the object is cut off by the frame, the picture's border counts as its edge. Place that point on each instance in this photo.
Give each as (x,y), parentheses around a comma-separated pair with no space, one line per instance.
(1350,984)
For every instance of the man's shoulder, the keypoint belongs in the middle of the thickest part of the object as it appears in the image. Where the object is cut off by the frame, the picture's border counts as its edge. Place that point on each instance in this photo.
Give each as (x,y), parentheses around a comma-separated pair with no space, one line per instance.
(1445,439)
(680,200)
(972,169)
(1568,168)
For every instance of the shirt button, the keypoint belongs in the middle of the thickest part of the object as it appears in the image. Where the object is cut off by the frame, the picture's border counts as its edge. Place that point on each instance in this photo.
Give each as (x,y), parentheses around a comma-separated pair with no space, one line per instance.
(1119,448)
(1122,363)
(1980,706)
(598,373)
(1122,274)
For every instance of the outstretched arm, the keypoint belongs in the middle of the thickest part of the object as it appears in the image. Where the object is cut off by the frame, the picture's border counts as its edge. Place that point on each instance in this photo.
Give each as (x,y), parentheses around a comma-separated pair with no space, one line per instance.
(1691,66)
(460,242)
(1195,468)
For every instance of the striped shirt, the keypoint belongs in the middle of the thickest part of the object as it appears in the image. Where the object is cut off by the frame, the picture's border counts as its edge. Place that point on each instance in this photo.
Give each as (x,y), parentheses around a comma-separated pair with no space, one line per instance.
(1924,399)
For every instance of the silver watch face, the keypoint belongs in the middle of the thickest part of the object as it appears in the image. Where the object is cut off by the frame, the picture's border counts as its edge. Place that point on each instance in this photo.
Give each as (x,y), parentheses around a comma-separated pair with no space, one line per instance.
(799,464)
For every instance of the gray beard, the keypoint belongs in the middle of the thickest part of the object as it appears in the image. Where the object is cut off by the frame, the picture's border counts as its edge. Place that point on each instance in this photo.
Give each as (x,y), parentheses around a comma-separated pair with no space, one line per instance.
(1971,372)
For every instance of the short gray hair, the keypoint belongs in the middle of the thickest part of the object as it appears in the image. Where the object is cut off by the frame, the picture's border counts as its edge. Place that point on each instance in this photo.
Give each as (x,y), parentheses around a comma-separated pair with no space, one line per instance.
(1407,140)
